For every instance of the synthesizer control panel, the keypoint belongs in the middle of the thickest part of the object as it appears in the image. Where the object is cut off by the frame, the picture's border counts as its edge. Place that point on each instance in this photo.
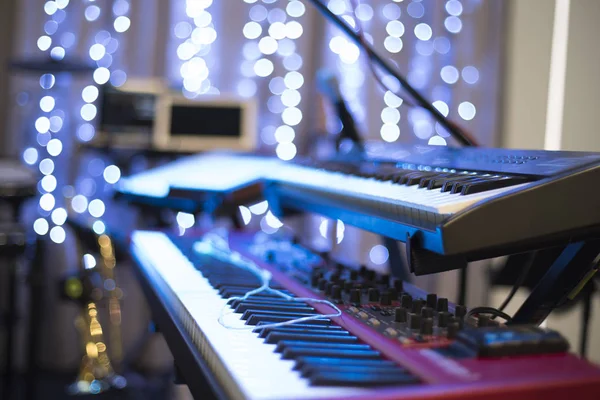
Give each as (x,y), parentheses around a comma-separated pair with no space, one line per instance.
(389,306)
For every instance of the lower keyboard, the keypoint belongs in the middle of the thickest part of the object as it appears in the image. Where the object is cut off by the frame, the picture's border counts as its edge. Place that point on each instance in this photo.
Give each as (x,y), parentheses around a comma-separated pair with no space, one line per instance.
(340,357)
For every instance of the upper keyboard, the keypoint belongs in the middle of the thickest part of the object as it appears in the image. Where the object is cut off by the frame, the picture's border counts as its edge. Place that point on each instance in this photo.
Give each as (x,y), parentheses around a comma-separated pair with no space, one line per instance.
(474,202)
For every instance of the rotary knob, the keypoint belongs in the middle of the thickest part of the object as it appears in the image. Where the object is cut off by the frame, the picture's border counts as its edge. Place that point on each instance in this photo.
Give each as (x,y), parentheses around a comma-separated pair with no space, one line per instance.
(406,301)
(414,321)
(417,305)
(427,326)
(386,298)
(373,294)
(400,314)
(355,296)
(427,312)
(443,318)
(431,300)
(442,304)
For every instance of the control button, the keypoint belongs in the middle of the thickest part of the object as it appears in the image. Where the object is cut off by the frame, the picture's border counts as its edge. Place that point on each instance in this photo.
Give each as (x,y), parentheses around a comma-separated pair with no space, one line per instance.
(513,341)
(406,301)
(393,294)
(431,300)
(414,321)
(353,309)
(353,275)
(400,314)
(442,304)
(427,326)
(355,296)
(443,319)
(363,315)
(373,294)
(391,332)
(386,298)
(427,312)
(374,322)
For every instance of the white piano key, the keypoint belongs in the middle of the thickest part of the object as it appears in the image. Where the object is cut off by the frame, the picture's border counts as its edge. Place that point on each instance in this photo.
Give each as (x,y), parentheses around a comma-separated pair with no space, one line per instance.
(244,364)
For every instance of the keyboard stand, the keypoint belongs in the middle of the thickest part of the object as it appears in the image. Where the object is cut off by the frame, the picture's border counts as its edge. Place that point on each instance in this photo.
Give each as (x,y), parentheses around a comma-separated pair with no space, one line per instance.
(562,282)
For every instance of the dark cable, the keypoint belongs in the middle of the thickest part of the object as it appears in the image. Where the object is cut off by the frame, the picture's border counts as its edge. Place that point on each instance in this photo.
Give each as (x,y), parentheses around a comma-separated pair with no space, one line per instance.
(488,310)
(461,136)
(519,282)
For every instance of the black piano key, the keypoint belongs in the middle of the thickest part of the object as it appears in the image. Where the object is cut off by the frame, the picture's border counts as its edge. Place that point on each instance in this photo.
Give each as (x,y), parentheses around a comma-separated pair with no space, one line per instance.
(292,315)
(478,187)
(307,361)
(397,176)
(415,178)
(458,186)
(274,307)
(256,318)
(291,353)
(362,380)
(302,328)
(310,370)
(439,182)
(447,187)
(298,344)
(424,182)
(276,337)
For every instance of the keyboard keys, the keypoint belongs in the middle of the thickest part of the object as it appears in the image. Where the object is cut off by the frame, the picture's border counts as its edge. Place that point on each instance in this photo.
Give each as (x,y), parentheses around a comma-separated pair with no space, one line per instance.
(315,354)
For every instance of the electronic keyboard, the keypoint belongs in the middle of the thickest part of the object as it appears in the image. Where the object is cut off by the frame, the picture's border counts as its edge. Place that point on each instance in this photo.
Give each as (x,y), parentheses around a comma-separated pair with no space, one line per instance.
(471,202)
(392,340)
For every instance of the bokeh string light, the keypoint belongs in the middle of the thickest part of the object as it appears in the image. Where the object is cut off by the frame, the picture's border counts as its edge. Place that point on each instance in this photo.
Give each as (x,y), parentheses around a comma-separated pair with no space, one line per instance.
(104,51)
(198,33)
(271,58)
(271,54)
(49,124)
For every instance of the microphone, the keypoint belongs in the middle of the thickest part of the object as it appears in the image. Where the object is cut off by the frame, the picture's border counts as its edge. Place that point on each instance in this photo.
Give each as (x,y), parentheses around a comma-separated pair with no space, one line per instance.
(328,84)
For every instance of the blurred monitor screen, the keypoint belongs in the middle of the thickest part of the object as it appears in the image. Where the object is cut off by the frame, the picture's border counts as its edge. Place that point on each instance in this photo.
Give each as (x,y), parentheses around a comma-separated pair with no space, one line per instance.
(127,113)
(208,122)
